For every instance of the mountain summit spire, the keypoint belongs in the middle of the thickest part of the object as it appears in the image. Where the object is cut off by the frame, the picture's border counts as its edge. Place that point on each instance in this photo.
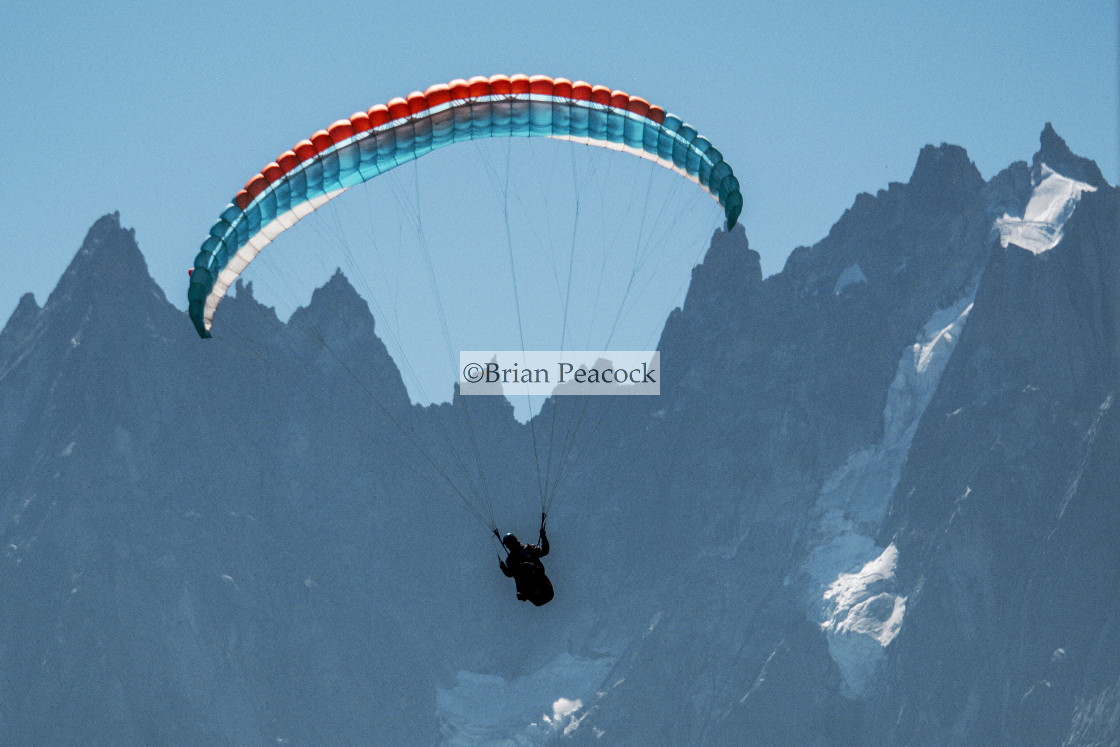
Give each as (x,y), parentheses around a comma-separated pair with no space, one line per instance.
(945,178)
(109,263)
(1054,152)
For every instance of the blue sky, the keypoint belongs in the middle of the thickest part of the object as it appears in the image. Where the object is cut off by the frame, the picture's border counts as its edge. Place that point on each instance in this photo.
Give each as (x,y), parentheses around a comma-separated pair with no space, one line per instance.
(162,110)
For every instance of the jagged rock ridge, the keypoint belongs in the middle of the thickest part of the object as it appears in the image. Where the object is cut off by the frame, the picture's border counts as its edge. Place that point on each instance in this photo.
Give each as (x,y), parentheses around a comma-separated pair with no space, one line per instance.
(874,504)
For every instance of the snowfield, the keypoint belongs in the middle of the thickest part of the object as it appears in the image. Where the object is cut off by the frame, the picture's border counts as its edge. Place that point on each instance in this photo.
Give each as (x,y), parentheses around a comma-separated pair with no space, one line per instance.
(852,594)
(528,710)
(1052,202)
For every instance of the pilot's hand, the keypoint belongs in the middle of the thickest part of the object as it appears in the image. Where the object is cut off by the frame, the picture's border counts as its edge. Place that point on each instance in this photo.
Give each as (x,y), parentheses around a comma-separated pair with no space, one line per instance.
(502,565)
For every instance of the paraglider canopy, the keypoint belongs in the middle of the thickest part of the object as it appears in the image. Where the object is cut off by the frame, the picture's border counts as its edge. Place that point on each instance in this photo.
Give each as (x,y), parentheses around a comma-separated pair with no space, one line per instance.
(354,150)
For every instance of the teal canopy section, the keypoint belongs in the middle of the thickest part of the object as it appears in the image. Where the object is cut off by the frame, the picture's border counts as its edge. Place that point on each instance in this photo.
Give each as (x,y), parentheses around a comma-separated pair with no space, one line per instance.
(240,233)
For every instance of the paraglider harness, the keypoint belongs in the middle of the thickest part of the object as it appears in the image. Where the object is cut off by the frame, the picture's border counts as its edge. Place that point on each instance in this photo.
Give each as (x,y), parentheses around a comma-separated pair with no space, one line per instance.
(526,568)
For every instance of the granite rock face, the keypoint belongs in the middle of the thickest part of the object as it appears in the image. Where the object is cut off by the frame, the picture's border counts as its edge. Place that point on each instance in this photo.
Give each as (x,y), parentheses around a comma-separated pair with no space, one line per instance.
(875,503)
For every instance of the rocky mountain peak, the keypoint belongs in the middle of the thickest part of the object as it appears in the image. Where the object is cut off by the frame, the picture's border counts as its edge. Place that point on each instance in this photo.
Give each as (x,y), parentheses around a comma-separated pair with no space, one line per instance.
(731,269)
(333,304)
(338,294)
(19,327)
(864,440)
(944,178)
(27,310)
(339,320)
(107,281)
(1054,152)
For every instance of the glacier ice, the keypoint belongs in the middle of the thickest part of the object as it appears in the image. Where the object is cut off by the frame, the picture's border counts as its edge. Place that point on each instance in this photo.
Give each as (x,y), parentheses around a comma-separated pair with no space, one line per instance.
(851,275)
(859,605)
(526,710)
(852,592)
(1051,203)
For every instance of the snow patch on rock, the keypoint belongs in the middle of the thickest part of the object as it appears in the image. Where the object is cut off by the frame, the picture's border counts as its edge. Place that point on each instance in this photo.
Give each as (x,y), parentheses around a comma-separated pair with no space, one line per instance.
(859,605)
(865,617)
(531,709)
(852,593)
(851,275)
(1052,202)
